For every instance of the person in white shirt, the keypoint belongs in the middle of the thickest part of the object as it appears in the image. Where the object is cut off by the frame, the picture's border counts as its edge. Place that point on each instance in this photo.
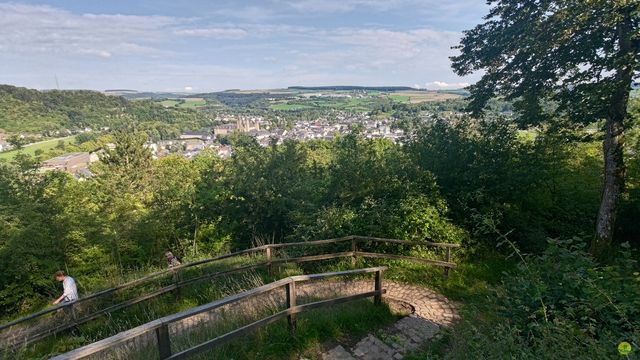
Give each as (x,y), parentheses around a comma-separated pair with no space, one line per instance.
(70,292)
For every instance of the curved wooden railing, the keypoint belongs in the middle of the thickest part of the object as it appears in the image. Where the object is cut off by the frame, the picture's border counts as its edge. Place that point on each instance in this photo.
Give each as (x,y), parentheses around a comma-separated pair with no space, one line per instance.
(160,327)
(42,324)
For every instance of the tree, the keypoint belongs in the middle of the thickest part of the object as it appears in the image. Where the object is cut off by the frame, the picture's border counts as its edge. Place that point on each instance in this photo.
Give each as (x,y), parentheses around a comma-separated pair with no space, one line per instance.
(16,141)
(582,56)
(122,189)
(32,236)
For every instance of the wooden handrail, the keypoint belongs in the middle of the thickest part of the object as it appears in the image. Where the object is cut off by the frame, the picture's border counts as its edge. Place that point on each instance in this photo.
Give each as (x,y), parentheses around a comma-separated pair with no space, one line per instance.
(162,323)
(129,284)
(313,242)
(178,284)
(264,288)
(407,242)
(444,264)
(268,320)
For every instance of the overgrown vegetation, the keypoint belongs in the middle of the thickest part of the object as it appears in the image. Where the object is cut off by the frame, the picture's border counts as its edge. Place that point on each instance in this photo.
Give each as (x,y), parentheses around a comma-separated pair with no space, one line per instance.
(554,305)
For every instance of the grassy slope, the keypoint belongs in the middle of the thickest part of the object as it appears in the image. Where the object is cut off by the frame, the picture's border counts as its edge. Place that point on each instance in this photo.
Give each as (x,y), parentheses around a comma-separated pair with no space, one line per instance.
(341,322)
(415,97)
(468,286)
(31,149)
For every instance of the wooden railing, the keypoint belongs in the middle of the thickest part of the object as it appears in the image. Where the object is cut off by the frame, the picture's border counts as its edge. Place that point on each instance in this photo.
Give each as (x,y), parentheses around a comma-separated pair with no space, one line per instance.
(161,326)
(40,325)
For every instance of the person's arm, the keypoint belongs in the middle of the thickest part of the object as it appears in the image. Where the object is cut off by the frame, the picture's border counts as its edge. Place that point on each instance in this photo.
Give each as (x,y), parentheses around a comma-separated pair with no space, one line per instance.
(66,291)
(59,299)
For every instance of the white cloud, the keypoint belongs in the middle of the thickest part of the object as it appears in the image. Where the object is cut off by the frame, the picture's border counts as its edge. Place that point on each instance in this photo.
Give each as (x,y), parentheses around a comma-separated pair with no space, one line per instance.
(100,53)
(188,88)
(155,52)
(248,13)
(436,85)
(27,28)
(214,32)
(337,6)
(378,51)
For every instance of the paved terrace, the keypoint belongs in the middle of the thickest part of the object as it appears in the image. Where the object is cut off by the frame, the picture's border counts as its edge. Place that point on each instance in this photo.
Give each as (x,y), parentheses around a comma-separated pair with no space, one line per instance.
(431,312)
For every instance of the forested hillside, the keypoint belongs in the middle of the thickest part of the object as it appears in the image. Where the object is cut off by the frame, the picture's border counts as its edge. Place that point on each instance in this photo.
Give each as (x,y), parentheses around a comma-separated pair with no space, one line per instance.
(45,112)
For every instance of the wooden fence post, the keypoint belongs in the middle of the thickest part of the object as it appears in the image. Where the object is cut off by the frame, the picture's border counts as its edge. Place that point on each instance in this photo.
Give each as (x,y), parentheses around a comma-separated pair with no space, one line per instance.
(164,343)
(447,259)
(73,312)
(176,282)
(268,253)
(291,303)
(377,298)
(354,248)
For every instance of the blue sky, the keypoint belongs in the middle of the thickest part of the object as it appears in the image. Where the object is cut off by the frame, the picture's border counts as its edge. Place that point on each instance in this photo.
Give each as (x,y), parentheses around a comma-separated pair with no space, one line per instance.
(202,46)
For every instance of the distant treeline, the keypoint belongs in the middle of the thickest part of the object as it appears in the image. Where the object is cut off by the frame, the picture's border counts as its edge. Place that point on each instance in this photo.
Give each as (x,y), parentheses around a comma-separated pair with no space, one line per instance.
(368,88)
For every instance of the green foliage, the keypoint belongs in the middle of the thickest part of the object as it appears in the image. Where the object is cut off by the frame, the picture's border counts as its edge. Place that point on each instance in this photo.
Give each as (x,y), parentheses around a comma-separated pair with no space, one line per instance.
(324,189)
(575,52)
(31,236)
(555,305)
(538,188)
(562,59)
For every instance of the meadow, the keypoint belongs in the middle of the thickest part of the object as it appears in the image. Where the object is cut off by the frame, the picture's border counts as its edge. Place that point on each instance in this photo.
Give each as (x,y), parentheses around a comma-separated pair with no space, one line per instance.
(416,97)
(31,149)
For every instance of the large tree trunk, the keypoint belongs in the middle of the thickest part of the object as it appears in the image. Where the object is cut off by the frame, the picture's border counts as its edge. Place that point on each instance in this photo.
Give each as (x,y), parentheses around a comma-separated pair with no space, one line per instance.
(612,187)
(614,140)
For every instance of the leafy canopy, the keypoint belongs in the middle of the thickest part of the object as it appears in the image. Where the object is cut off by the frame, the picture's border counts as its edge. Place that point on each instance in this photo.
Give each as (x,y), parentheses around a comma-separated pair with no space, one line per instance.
(573,52)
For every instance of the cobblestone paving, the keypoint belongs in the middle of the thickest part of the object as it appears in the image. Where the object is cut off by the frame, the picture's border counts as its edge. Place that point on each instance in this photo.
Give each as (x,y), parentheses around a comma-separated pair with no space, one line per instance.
(432,311)
(338,353)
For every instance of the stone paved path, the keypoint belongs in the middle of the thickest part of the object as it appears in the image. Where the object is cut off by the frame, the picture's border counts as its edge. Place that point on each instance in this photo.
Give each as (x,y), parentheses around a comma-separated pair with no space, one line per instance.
(431,312)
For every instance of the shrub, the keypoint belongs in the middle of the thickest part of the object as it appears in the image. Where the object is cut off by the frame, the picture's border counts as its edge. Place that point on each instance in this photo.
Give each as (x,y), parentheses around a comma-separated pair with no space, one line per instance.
(556,305)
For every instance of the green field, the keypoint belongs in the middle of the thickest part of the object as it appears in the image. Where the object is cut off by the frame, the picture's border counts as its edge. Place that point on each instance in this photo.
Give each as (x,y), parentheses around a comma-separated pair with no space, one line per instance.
(359,104)
(169,103)
(193,103)
(321,103)
(416,97)
(31,149)
(400,98)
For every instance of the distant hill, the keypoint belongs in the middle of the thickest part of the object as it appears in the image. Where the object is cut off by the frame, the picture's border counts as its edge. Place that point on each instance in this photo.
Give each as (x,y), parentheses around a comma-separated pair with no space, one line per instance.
(350,88)
(46,112)
(119,91)
(155,95)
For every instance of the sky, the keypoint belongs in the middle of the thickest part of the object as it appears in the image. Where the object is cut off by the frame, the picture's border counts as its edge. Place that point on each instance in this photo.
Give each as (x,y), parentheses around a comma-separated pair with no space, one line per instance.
(200,45)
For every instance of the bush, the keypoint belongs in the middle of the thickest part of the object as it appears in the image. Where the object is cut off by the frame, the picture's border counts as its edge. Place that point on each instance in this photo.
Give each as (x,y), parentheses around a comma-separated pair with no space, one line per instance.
(556,305)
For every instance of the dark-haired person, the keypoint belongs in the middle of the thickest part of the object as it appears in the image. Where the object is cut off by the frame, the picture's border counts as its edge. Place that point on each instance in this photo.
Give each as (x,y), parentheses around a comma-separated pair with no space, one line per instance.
(70,290)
